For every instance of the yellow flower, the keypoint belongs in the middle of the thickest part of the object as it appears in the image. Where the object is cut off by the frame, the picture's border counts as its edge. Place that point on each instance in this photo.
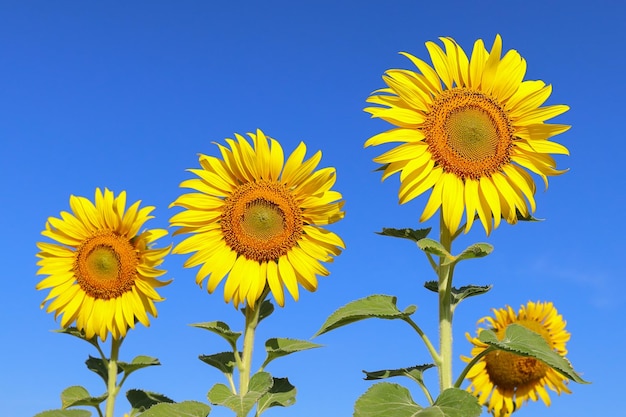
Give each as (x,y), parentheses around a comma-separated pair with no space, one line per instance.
(504,381)
(469,140)
(102,272)
(256,218)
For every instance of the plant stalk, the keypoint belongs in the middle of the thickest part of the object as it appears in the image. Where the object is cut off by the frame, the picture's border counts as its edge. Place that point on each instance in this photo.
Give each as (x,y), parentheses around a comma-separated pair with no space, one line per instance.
(445,310)
(112,387)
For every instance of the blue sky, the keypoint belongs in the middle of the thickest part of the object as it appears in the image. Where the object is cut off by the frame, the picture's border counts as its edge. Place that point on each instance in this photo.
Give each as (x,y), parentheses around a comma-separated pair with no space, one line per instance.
(124,95)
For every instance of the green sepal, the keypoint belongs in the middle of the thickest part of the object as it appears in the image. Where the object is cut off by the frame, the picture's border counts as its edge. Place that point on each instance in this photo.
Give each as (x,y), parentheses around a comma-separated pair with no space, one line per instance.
(222,329)
(525,342)
(477,250)
(282,394)
(141,400)
(183,409)
(223,361)
(459,294)
(433,247)
(393,400)
(220,394)
(277,347)
(267,308)
(415,373)
(138,362)
(100,367)
(528,218)
(65,413)
(412,234)
(79,396)
(373,306)
(73,331)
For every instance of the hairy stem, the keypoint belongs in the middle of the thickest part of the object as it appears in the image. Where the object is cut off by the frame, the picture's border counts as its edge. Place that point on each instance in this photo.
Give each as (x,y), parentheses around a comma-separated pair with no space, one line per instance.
(112,387)
(445,311)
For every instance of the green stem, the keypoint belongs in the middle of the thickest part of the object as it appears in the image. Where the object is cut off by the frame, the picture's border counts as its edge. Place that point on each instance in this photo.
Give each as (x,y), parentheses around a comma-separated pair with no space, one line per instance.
(469,366)
(112,387)
(426,340)
(252,320)
(445,310)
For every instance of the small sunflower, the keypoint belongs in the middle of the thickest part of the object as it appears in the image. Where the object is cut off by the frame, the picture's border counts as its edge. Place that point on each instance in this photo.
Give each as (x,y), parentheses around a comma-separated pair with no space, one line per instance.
(471,140)
(504,381)
(256,219)
(102,270)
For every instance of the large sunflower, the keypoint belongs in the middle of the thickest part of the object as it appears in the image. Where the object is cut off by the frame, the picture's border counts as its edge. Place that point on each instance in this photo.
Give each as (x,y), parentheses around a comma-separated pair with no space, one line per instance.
(102,270)
(504,381)
(256,218)
(470,139)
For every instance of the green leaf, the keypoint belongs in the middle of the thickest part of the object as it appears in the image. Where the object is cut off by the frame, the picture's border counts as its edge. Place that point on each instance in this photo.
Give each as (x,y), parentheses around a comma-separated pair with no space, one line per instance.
(77,396)
(224,361)
(138,363)
(477,250)
(260,384)
(267,308)
(525,342)
(277,347)
(386,400)
(416,373)
(73,331)
(282,394)
(435,248)
(222,329)
(459,294)
(65,413)
(142,400)
(453,402)
(378,306)
(183,409)
(100,367)
(411,234)
(528,218)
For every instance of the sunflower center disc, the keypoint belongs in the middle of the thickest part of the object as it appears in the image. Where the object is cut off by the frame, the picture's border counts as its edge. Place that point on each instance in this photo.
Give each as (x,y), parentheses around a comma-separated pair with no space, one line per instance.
(106,265)
(468,133)
(508,370)
(261,221)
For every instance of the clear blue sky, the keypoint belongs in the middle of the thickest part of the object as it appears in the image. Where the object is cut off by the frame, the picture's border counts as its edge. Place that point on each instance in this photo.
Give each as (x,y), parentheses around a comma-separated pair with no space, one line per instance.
(125,94)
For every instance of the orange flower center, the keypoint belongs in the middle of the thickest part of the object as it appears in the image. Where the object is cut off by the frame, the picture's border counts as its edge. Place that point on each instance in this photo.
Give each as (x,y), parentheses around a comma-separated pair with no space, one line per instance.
(105,265)
(261,221)
(468,133)
(508,370)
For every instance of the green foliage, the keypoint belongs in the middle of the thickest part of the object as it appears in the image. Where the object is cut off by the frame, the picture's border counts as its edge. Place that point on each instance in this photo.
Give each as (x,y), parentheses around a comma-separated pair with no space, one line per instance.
(73,331)
(459,294)
(142,400)
(267,308)
(183,409)
(260,384)
(138,362)
(374,306)
(477,250)
(281,394)
(223,361)
(522,341)
(277,347)
(393,400)
(222,329)
(77,396)
(415,373)
(434,248)
(100,367)
(64,413)
(411,234)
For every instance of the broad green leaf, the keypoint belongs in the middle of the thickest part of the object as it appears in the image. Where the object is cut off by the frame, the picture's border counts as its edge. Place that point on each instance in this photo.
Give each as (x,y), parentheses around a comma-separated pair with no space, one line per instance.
(77,395)
(416,373)
(64,413)
(459,294)
(222,329)
(138,363)
(100,367)
(374,306)
(477,250)
(267,308)
(73,331)
(524,342)
(433,247)
(260,384)
(277,347)
(282,394)
(142,400)
(386,400)
(224,361)
(411,234)
(184,409)
(453,402)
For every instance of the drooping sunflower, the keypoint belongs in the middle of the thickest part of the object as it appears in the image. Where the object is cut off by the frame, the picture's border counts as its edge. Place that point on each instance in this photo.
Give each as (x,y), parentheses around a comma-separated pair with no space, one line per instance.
(504,381)
(102,269)
(256,219)
(471,140)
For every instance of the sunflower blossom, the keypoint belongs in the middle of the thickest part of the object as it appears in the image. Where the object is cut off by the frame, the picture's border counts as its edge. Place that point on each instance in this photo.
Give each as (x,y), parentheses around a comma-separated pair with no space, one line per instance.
(255,220)
(472,140)
(102,269)
(504,381)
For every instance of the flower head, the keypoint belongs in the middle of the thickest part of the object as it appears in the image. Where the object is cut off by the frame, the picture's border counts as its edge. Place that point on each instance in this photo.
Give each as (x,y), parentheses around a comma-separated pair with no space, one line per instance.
(102,269)
(255,219)
(504,381)
(471,140)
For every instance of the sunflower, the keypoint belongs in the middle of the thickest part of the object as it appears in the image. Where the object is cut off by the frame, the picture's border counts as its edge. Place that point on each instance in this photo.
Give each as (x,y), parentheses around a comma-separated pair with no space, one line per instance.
(470,140)
(102,270)
(504,381)
(256,218)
